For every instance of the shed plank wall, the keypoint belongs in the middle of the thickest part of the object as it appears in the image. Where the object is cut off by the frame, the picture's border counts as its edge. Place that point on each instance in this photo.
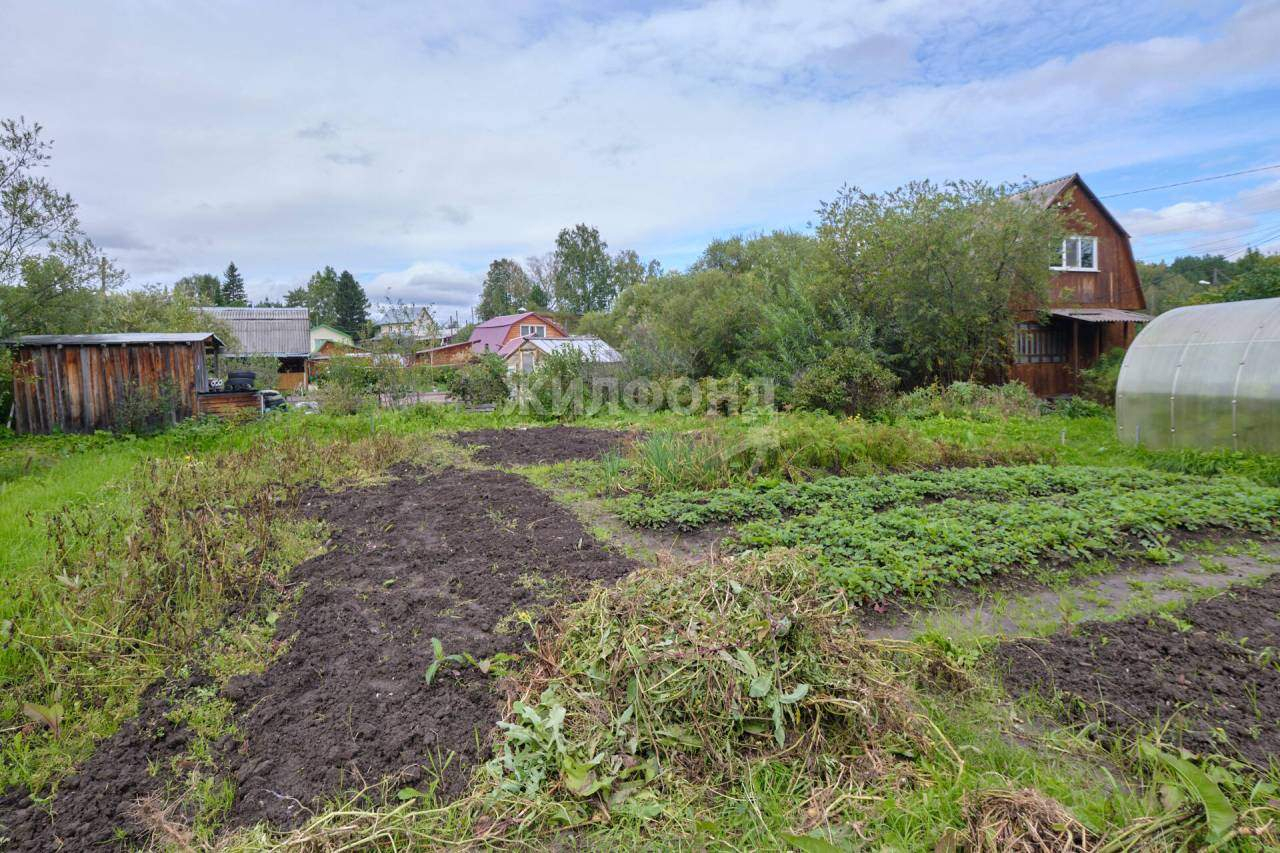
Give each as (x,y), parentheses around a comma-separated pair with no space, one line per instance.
(77,388)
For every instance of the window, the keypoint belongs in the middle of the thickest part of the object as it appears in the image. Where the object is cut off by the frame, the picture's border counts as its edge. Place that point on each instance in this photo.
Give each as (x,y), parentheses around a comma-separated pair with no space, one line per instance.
(528,360)
(1036,344)
(1079,253)
(538,331)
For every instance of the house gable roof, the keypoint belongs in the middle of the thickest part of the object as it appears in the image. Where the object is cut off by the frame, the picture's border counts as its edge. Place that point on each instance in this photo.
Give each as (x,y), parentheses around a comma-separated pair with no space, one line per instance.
(489,335)
(1050,192)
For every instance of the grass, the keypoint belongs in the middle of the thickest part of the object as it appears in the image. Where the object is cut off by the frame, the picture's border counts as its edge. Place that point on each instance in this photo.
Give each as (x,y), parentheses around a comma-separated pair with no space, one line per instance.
(731,705)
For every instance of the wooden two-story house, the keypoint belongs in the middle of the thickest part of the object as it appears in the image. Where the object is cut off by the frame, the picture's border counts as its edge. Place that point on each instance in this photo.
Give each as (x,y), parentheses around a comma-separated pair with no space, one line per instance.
(1095,300)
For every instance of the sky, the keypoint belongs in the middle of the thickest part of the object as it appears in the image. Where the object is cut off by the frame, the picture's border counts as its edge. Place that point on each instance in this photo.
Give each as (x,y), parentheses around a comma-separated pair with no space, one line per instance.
(412,143)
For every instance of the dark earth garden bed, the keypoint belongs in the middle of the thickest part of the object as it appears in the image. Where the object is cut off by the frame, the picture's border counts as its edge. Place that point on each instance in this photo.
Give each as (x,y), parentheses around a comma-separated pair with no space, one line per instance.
(542,445)
(452,555)
(1212,670)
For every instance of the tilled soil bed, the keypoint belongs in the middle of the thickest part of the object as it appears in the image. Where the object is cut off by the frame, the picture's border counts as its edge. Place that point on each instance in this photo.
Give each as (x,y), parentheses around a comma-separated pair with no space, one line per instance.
(1213,667)
(450,554)
(542,445)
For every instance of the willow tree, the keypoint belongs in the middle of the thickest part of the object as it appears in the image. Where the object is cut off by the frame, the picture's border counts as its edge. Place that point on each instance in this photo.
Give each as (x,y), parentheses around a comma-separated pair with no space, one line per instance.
(940,269)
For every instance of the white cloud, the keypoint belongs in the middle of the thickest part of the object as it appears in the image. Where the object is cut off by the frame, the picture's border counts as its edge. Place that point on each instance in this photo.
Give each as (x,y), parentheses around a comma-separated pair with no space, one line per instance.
(378,137)
(1196,217)
(445,287)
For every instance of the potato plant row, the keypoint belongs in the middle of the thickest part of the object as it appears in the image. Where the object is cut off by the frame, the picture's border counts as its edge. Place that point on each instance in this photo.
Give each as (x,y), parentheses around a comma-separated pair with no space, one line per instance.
(917,533)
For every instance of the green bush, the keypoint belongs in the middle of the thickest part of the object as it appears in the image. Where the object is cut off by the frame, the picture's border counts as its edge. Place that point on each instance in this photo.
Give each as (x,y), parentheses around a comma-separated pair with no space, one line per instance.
(481,382)
(559,388)
(847,381)
(1098,383)
(145,410)
(6,384)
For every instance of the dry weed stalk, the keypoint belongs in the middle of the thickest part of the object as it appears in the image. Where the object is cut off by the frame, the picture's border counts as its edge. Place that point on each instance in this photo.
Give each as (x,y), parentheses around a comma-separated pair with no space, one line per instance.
(1022,821)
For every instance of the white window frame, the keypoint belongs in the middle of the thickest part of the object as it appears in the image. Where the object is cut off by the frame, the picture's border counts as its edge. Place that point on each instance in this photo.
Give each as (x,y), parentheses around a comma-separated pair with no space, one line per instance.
(538,330)
(1077,241)
(526,361)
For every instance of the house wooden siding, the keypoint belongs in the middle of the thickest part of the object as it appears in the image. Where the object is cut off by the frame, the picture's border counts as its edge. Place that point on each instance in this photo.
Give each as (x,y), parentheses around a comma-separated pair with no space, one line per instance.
(79,387)
(553,329)
(1114,284)
(449,354)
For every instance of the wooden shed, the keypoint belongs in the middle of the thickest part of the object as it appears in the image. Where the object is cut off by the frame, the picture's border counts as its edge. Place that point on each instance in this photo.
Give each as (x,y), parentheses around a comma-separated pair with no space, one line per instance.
(77,383)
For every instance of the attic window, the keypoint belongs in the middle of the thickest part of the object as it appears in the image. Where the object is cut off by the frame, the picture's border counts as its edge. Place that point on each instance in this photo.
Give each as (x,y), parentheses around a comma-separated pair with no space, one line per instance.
(1079,254)
(538,331)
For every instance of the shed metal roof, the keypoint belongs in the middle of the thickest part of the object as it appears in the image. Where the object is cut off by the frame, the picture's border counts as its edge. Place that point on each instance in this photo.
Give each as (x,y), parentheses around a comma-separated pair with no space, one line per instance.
(1102,315)
(116,338)
(282,332)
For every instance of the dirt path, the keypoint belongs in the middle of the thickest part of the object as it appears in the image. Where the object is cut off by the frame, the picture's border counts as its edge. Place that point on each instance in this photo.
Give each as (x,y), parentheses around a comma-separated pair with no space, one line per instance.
(1208,673)
(1019,614)
(541,445)
(450,554)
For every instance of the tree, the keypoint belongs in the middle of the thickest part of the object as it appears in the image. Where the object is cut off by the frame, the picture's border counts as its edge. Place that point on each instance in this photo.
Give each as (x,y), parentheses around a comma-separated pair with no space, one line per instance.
(350,304)
(627,270)
(583,271)
(506,290)
(32,213)
(201,288)
(939,269)
(233,293)
(52,277)
(320,296)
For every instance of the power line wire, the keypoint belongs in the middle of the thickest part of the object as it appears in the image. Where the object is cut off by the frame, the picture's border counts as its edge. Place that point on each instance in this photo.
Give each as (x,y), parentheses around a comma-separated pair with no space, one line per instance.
(1193,181)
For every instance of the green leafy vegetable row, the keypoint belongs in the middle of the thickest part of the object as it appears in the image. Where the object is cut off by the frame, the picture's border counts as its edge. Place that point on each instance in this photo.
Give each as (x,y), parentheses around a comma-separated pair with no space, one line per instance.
(915,533)
(771,500)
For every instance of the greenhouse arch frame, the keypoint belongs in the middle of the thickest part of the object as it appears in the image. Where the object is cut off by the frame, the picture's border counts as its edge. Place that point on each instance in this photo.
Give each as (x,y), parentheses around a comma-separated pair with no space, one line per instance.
(1204,376)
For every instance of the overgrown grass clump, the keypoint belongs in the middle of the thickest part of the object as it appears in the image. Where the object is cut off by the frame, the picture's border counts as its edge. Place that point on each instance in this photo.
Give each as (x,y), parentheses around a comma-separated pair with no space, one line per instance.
(916,533)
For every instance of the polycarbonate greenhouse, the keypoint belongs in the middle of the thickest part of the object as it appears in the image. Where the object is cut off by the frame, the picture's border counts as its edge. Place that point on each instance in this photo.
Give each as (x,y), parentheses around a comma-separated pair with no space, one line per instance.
(1204,376)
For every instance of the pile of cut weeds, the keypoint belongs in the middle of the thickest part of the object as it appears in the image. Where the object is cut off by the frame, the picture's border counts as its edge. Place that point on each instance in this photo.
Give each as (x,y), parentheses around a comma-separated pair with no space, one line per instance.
(450,555)
(542,445)
(682,677)
(1210,670)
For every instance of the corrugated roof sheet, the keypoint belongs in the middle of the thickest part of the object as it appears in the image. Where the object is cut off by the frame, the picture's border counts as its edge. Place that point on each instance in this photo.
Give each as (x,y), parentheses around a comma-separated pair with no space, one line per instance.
(593,348)
(117,338)
(1102,315)
(267,331)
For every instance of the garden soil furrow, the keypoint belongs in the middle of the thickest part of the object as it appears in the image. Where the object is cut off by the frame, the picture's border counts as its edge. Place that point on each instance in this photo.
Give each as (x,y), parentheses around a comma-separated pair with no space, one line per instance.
(542,445)
(450,554)
(1210,669)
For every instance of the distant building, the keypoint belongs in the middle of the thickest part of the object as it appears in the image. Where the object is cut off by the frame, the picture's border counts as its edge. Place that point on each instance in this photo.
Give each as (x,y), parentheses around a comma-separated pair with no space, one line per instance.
(524,354)
(321,334)
(281,333)
(491,336)
(420,327)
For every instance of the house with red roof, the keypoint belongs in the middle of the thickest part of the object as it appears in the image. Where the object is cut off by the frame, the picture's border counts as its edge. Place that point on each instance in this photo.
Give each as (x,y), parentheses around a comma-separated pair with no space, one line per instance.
(494,336)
